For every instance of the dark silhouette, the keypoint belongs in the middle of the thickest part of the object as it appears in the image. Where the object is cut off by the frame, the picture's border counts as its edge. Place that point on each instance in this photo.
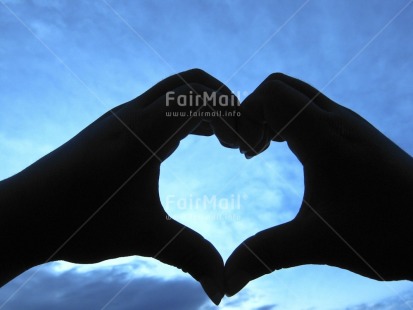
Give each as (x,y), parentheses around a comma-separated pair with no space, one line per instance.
(96,197)
(357,207)
(75,204)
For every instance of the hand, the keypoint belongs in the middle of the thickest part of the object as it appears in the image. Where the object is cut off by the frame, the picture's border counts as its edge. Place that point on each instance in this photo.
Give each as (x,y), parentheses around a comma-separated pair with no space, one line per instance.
(356,212)
(96,197)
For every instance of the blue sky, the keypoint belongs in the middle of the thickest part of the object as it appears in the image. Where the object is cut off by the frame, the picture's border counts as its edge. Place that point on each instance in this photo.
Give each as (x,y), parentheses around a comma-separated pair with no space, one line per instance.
(64,63)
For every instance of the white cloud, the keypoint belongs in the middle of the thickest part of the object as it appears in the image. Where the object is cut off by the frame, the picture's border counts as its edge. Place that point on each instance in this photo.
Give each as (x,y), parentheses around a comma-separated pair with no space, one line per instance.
(99,288)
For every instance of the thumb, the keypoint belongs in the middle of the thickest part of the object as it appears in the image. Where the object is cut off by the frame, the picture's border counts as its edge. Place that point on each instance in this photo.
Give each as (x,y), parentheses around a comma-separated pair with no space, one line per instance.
(189,251)
(290,114)
(282,246)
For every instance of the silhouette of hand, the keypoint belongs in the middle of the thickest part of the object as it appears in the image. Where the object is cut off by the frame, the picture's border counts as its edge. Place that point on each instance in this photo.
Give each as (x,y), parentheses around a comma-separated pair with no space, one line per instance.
(96,197)
(357,210)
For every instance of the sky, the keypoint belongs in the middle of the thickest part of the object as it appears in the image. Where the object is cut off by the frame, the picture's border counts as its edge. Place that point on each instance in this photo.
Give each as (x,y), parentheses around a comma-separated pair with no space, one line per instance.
(65,63)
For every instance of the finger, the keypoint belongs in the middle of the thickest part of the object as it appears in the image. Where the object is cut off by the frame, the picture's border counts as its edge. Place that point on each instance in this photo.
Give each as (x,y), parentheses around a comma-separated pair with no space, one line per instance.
(259,137)
(251,133)
(225,124)
(312,93)
(291,115)
(225,128)
(189,251)
(220,112)
(175,115)
(203,129)
(261,148)
(197,76)
(283,246)
(255,133)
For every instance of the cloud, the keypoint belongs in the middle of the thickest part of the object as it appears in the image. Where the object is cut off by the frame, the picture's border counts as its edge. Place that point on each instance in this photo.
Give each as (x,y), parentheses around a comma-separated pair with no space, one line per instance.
(94,289)
(268,307)
(403,301)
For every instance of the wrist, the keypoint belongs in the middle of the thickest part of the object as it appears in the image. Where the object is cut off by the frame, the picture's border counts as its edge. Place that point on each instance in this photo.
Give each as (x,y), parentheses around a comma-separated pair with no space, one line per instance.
(23,245)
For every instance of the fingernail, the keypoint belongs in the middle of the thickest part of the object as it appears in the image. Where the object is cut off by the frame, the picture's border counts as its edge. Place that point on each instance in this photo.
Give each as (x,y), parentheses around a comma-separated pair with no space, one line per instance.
(212,289)
(236,282)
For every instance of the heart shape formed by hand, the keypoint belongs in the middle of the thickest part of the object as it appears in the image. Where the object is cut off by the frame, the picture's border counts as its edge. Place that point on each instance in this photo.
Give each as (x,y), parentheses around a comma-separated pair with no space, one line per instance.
(322,134)
(98,193)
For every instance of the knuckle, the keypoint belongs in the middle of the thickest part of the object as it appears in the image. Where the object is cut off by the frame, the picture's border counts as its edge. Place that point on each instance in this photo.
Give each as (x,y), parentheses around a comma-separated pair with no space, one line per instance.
(196,87)
(276,76)
(273,87)
(198,73)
